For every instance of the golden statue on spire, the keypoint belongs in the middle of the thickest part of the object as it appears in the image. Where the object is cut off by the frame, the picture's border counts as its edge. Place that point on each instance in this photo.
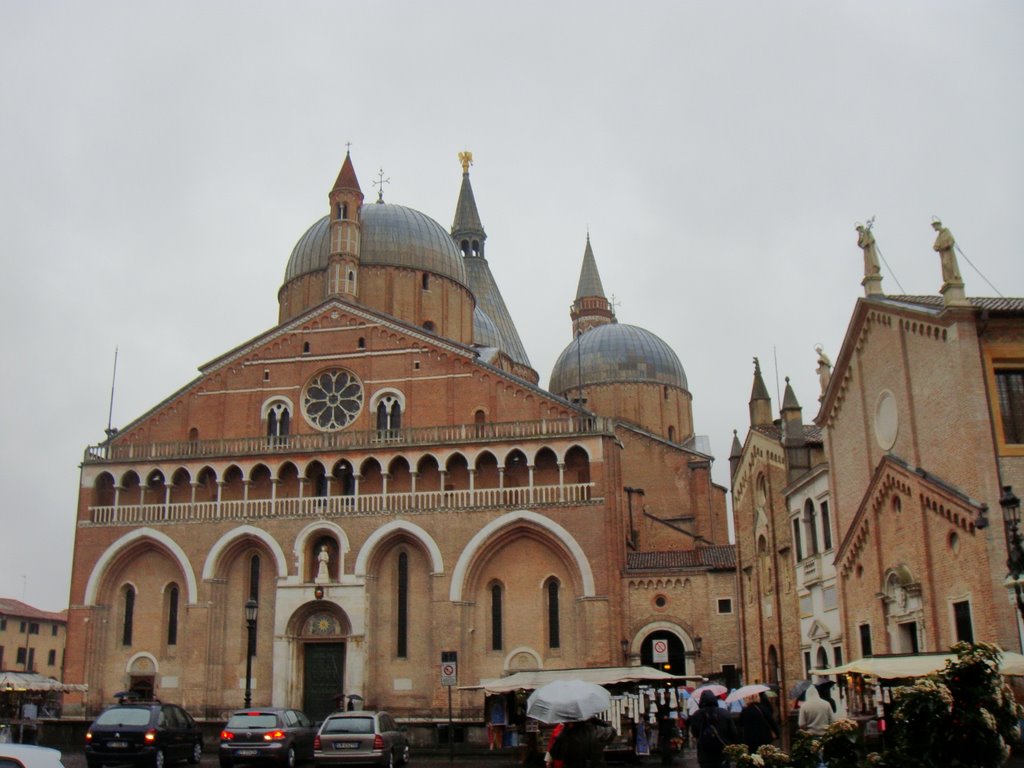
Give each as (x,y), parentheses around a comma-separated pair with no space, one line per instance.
(466,158)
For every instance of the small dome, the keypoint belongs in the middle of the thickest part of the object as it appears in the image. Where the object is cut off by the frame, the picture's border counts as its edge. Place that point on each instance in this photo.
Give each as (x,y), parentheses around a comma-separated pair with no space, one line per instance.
(390,235)
(613,353)
(485,331)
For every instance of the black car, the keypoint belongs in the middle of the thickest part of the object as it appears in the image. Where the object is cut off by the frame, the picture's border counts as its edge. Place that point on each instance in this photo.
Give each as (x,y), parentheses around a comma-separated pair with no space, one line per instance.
(275,734)
(143,733)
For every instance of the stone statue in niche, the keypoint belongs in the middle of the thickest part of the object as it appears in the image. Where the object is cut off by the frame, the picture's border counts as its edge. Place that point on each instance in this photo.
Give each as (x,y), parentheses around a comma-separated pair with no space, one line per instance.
(323,573)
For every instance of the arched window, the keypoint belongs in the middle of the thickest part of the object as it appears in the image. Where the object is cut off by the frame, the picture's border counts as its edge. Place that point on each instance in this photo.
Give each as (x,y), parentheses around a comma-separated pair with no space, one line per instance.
(425,281)
(279,420)
(254,593)
(826,525)
(389,413)
(798,543)
(403,605)
(428,326)
(496,633)
(172,615)
(554,640)
(811,520)
(464,247)
(129,615)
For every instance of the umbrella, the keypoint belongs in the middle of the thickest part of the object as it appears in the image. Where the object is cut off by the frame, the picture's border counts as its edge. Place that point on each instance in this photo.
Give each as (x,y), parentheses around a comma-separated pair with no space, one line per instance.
(565,701)
(746,691)
(719,691)
(798,690)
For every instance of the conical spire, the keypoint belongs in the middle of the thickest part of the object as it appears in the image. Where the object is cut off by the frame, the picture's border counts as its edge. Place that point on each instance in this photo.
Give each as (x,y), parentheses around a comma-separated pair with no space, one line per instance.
(590,279)
(792,419)
(347,177)
(735,454)
(467,229)
(590,308)
(789,401)
(760,400)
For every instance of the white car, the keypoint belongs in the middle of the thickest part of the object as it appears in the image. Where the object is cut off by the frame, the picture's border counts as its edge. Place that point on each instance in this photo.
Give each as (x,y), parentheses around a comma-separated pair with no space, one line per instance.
(29,756)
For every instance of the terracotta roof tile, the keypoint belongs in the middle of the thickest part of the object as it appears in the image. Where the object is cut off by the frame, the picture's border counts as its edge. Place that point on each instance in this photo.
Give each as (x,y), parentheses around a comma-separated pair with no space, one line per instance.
(718,557)
(20,610)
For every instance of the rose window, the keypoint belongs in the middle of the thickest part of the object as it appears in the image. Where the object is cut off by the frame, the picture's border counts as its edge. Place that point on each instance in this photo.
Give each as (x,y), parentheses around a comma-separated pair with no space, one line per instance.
(332,399)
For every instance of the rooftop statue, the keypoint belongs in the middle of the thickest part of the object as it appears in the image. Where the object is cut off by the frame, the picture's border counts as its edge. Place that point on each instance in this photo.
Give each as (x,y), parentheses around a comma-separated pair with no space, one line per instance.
(866,241)
(944,244)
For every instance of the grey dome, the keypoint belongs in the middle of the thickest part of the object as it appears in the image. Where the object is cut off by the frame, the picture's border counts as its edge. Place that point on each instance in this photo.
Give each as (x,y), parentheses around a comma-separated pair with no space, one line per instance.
(485,331)
(614,353)
(390,235)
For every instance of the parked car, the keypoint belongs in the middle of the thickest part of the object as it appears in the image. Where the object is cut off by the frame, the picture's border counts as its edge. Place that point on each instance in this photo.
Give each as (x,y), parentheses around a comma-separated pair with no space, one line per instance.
(143,733)
(347,738)
(267,734)
(28,756)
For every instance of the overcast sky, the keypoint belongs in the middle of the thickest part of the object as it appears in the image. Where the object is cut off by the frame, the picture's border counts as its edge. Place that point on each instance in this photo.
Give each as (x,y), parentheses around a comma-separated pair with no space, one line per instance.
(158,161)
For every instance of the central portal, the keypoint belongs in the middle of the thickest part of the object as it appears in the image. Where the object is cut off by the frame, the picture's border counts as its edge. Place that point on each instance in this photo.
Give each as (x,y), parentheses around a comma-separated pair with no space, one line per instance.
(323,678)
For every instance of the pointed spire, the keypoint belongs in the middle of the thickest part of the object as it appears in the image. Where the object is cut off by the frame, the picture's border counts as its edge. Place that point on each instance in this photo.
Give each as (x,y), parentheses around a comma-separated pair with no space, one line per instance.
(590,308)
(789,401)
(760,401)
(347,176)
(590,279)
(735,454)
(467,229)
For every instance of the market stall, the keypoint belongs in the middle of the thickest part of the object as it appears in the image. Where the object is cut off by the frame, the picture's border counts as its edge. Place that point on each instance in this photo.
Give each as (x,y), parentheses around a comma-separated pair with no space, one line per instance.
(643,700)
(26,699)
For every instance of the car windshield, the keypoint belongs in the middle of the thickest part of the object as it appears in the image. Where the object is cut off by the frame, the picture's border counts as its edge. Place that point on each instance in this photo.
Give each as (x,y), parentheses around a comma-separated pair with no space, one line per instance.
(349,725)
(124,716)
(252,720)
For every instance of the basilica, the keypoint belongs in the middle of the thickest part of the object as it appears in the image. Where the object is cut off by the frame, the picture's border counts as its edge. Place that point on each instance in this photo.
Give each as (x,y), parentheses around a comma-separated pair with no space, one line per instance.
(381,480)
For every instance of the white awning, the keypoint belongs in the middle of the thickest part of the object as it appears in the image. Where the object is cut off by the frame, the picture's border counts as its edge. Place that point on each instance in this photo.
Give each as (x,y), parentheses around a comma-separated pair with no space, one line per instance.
(917,665)
(599,675)
(31,681)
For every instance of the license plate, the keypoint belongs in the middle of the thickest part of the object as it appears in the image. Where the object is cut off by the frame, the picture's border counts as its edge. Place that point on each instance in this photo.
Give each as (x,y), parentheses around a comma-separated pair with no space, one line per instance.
(247,752)
(117,744)
(346,745)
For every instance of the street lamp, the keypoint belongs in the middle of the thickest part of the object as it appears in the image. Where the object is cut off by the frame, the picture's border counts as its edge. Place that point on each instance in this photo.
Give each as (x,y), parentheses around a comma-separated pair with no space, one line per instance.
(1015,553)
(251,608)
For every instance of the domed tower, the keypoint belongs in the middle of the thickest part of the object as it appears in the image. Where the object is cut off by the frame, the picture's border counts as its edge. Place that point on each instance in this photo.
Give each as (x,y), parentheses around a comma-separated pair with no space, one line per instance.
(389,258)
(621,370)
(492,323)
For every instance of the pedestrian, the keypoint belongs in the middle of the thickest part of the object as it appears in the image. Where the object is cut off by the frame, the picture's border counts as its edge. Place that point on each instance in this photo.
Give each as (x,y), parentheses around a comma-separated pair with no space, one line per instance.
(548,759)
(713,729)
(581,745)
(815,713)
(757,724)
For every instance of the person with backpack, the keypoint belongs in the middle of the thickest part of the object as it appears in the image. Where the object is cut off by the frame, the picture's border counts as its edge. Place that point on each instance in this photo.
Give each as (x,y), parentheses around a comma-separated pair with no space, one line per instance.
(581,745)
(713,729)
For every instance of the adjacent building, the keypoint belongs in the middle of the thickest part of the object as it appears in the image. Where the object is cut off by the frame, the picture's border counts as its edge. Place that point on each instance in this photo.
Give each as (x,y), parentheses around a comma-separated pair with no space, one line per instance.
(31,640)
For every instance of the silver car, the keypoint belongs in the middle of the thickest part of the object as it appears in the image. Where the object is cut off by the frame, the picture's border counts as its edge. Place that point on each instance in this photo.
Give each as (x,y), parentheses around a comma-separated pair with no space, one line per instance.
(349,738)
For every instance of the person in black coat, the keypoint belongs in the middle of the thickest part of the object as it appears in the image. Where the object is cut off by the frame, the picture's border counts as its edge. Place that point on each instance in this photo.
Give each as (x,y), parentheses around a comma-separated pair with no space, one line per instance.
(713,729)
(581,745)
(757,723)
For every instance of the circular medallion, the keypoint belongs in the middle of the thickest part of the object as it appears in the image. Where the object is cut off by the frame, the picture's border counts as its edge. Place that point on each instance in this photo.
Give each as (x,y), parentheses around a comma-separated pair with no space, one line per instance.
(887,420)
(332,399)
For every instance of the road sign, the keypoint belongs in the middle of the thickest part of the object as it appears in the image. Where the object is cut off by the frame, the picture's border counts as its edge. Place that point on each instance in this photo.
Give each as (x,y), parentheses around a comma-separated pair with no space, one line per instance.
(449,668)
(659,650)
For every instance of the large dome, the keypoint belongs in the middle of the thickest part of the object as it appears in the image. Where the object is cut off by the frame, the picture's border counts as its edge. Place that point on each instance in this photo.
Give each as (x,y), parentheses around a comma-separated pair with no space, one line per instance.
(615,353)
(390,235)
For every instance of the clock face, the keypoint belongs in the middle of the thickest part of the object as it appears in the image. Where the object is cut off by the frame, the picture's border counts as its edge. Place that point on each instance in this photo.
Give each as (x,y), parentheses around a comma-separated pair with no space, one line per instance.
(332,399)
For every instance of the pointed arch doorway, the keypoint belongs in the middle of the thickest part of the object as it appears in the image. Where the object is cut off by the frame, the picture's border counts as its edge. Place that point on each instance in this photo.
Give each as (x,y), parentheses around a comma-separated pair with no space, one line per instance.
(322,655)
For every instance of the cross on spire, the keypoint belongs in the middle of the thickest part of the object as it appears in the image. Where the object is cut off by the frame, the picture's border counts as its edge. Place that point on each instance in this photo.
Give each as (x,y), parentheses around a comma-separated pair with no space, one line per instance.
(381,181)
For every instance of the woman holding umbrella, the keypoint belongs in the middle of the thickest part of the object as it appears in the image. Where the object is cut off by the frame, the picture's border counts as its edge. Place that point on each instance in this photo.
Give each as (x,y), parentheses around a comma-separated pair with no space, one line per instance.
(757,724)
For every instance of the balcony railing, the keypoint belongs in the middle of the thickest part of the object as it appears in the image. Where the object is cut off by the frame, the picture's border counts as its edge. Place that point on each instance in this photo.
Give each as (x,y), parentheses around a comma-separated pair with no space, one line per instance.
(343,506)
(350,440)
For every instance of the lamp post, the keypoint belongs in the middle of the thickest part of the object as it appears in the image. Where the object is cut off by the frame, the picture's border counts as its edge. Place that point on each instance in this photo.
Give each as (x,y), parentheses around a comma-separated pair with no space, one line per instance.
(1015,550)
(251,609)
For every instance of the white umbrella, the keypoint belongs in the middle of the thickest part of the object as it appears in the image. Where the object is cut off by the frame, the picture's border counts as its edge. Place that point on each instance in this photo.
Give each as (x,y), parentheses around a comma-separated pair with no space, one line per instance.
(566,701)
(715,688)
(746,691)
